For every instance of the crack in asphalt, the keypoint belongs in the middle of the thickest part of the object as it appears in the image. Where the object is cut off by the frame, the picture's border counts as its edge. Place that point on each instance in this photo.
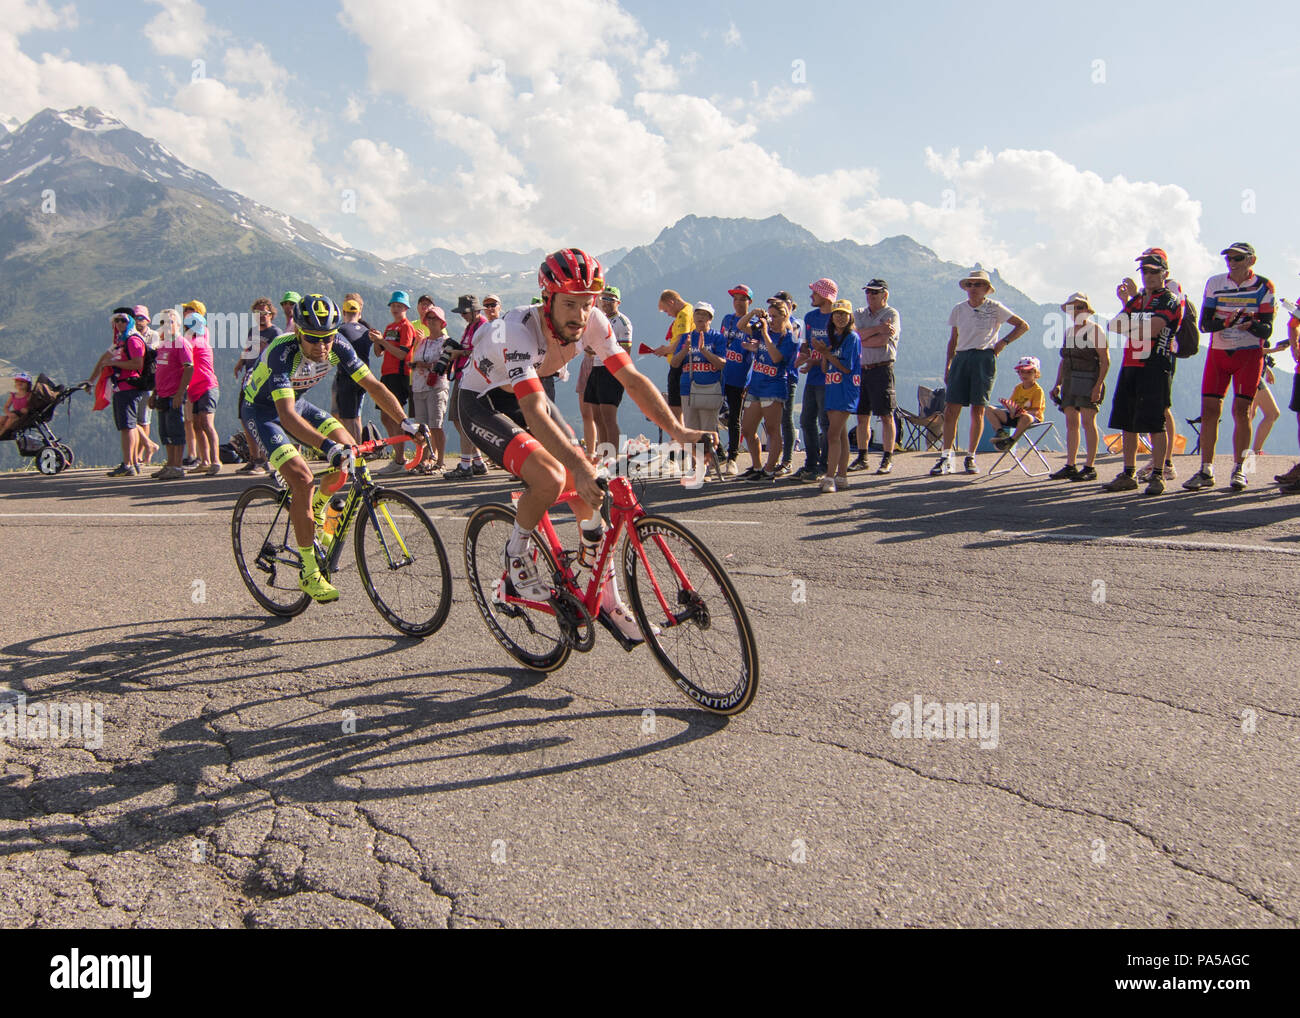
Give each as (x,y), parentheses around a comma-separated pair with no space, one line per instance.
(1160,846)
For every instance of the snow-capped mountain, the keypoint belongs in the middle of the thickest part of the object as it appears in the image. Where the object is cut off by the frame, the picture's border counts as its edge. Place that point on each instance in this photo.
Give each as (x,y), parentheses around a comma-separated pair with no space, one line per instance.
(95,147)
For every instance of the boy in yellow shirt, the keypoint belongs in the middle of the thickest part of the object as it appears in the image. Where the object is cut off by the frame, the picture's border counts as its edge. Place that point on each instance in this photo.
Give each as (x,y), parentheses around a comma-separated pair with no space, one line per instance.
(1027,405)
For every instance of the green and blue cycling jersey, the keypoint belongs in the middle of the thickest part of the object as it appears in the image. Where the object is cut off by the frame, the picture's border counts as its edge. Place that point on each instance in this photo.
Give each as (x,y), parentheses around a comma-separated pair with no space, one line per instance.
(282,371)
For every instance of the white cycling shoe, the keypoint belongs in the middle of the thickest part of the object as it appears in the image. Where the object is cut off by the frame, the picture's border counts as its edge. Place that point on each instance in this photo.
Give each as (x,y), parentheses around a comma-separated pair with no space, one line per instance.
(620,616)
(523,578)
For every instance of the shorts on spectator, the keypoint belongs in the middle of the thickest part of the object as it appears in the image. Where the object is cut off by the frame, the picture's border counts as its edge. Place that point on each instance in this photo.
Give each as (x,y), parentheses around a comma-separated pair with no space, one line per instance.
(126,408)
(1295,394)
(207,403)
(1076,390)
(877,395)
(400,386)
(674,387)
(430,406)
(603,389)
(1243,368)
(1142,394)
(762,401)
(348,397)
(970,377)
(171,420)
(700,408)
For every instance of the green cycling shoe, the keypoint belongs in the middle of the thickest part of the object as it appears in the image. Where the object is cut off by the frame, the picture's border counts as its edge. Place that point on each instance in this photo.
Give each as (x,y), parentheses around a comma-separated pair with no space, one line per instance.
(320,589)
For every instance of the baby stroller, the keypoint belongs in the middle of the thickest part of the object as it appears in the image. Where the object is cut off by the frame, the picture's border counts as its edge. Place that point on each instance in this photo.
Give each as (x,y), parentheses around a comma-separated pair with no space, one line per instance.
(32,433)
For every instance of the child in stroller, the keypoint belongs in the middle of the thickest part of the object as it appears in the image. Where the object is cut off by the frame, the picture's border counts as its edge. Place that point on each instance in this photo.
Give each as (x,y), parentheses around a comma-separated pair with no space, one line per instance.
(16,404)
(29,427)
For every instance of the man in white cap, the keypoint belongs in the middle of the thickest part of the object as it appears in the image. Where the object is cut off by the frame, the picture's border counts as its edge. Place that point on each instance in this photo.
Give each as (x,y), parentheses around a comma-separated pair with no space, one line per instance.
(971,365)
(1237,312)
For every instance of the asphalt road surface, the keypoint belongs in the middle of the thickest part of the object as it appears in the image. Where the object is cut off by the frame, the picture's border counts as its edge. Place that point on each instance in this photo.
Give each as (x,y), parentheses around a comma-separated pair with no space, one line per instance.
(1139,657)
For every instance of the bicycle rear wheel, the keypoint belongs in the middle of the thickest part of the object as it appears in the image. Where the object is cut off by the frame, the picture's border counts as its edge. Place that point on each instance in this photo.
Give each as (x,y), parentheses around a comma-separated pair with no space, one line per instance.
(531,637)
(266,550)
(403,564)
(705,642)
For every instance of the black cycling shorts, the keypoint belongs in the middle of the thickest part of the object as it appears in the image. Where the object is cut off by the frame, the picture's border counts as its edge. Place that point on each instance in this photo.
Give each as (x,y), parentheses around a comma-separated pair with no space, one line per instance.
(496,425)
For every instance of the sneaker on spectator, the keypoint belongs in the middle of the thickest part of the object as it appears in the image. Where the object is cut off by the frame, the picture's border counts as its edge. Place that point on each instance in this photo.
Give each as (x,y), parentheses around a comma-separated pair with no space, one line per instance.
(828,484)
(729,469)
(459,473)
(478,468)
(159,472)
(1292,476)
(1145,473)
(971,466)
(189,461)
(1002,443)
(886,463)
(170,474)
(1069,472)
(1086,474)
(1170,473)
(805,474)
(861,462)
(782,470)
(1201,479)
(841,482)
(395,467)
(248,468)
(1237,482)
(122,470)
(755,474)
(214,469)
(1123,482)
(944,466)
(1155,486)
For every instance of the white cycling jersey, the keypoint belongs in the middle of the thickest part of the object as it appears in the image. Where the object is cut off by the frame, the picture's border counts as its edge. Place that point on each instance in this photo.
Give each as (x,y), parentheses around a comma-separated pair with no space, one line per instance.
(513,352)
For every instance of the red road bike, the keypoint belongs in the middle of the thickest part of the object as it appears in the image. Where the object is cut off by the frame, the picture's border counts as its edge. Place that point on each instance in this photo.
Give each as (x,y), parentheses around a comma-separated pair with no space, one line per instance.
(683,600)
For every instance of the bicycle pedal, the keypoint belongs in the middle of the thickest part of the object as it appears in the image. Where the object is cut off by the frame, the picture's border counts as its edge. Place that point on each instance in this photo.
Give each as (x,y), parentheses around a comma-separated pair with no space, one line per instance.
(626,642)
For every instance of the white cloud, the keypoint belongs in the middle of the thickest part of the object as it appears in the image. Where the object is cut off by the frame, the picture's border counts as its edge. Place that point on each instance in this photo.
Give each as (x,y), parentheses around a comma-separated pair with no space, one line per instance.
(781,101)
(181,29)
(354,110)
(731,37)
(1052,227)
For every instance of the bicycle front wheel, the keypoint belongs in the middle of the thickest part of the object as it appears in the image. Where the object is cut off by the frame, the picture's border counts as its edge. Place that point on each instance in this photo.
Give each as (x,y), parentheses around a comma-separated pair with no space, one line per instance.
(531,637)
(403,564)
(704,641)
(266,551)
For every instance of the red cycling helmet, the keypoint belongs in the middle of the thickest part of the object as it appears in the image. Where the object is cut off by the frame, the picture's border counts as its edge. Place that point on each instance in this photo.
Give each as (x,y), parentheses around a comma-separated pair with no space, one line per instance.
(570,270)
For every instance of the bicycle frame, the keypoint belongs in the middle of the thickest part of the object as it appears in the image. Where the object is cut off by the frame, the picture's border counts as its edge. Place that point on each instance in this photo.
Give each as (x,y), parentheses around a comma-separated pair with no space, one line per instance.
(625,510)
(359,499)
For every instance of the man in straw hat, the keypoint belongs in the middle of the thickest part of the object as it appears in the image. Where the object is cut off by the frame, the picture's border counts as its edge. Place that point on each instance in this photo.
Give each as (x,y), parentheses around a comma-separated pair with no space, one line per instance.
(971,365)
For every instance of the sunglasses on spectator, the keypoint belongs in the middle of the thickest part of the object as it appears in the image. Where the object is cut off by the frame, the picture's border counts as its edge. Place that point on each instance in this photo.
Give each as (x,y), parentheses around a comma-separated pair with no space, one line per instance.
(491,304)
(262,313)
(1234,258)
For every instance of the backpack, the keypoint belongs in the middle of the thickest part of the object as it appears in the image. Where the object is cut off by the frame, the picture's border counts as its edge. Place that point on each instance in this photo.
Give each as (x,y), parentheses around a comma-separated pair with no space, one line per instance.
(1189,334)
(145,380)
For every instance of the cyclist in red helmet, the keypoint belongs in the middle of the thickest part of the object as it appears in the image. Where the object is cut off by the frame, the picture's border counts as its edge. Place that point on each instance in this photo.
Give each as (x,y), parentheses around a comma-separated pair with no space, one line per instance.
(508,415)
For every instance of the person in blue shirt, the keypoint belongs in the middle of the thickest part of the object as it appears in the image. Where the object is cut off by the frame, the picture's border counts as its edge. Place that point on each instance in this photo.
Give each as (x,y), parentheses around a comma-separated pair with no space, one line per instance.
(812,420)
(773,345)
(702,356)
(735,376)
(841,353)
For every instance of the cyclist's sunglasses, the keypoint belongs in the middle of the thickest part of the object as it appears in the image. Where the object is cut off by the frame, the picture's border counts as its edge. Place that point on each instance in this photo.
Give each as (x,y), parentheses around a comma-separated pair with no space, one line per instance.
(316,338)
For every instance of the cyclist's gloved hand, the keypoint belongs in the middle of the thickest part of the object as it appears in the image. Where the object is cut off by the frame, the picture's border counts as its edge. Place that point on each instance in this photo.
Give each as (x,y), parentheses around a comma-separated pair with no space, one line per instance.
(413,427)
(339,456)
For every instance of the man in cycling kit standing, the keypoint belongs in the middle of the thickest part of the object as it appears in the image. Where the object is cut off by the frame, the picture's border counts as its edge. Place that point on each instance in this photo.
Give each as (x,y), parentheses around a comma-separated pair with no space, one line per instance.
(503,405)
(292,364)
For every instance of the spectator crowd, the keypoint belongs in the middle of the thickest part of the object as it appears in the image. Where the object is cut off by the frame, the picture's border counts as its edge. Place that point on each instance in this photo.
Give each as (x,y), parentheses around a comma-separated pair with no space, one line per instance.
(739,374)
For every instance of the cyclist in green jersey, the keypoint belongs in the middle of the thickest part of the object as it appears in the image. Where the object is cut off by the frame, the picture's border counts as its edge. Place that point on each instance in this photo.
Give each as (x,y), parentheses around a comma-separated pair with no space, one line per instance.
(273,411)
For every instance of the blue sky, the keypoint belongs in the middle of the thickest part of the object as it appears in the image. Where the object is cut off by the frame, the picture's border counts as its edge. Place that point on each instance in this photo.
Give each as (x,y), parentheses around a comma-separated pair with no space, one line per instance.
(1053,144)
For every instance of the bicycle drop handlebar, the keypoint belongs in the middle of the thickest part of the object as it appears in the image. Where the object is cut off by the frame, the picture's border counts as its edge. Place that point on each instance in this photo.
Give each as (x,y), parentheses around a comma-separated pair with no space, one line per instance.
(365,448)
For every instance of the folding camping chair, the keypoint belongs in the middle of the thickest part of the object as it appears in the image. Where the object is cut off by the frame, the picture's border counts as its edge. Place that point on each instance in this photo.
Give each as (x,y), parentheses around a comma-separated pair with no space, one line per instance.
(1195,424)
(1034,435)
(924,429)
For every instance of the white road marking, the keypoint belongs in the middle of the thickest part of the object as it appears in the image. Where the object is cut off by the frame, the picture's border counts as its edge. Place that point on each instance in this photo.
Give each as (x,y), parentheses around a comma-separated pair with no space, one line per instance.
(128,515)
(1140,542)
